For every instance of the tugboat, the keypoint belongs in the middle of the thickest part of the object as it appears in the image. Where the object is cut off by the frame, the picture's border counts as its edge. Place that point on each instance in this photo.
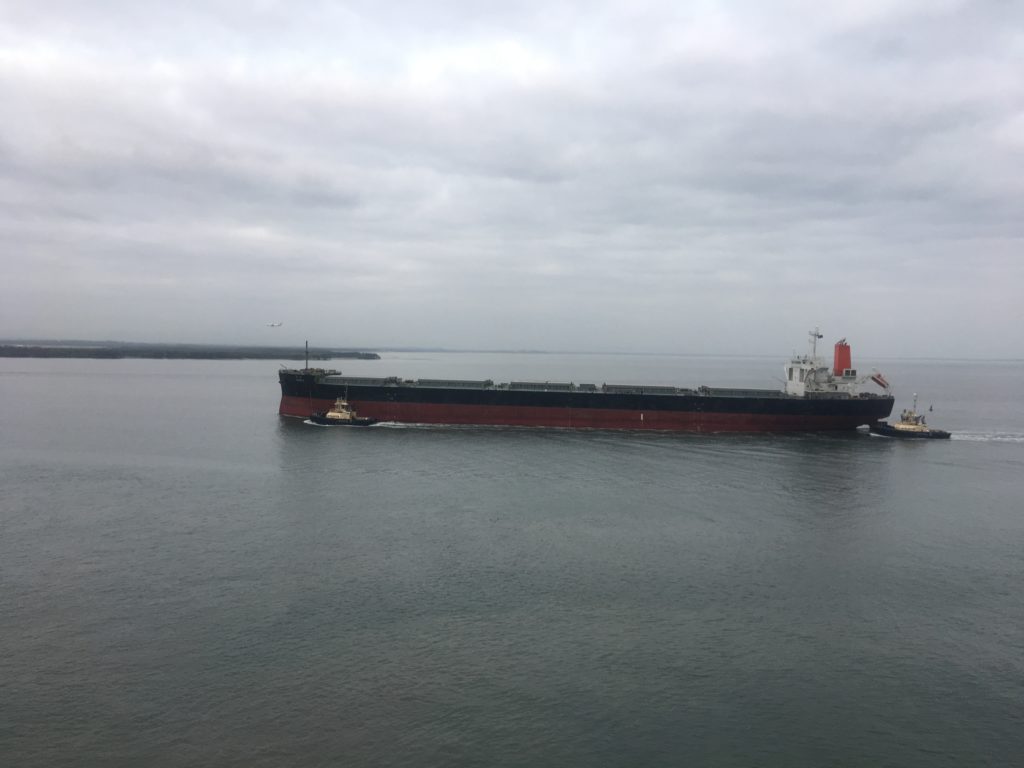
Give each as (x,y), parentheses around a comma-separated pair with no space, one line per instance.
(340,415)
(911,425)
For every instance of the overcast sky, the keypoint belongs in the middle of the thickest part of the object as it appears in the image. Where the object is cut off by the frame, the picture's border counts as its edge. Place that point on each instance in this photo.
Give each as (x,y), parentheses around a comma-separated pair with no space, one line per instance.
(642,175)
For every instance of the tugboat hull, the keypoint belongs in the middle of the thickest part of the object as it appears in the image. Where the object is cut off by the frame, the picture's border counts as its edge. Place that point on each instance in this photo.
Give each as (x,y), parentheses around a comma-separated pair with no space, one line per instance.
(323,421)
(888,430)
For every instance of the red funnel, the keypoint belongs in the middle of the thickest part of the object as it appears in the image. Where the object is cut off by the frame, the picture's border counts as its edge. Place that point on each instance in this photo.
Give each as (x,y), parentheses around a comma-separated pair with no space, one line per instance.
(843,360)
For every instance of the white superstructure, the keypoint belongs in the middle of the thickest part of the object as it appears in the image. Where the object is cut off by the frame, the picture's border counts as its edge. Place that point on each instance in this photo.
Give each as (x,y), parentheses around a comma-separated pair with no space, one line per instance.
(810,374)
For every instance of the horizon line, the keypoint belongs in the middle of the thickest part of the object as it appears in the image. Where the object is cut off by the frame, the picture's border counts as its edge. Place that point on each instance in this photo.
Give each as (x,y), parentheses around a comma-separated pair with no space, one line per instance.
(454,350)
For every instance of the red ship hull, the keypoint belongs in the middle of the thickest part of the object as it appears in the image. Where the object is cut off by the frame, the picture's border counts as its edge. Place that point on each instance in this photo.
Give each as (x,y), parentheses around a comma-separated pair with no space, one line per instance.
(575,418)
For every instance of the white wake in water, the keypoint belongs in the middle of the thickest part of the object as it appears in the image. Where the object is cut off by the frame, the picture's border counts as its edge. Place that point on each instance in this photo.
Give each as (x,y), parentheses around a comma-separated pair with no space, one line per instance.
(331,426)
(989,437)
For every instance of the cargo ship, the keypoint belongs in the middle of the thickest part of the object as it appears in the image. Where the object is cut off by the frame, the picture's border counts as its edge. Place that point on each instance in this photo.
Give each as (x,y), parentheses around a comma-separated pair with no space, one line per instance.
(816,396)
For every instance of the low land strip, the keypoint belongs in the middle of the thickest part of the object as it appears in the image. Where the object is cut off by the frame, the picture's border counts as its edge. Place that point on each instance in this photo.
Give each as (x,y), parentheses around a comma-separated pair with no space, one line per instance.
(119,350)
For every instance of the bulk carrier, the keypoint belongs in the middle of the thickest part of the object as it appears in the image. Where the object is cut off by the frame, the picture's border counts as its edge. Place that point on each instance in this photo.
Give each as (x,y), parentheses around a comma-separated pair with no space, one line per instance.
(816,396)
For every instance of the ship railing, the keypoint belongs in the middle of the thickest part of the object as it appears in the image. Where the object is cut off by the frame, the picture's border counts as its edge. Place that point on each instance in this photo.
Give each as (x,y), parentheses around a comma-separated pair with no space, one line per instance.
(541,386)
(739,392)
(310,371)
(454,383)
(637,389)
(363,381)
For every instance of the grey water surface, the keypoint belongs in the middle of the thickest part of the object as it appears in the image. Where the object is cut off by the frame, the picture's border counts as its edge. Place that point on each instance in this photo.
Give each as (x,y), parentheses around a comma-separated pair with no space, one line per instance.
(188,579)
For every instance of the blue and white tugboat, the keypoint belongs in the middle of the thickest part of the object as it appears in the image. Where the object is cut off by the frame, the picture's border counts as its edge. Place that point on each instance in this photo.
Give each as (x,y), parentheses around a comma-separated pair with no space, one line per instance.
(911,425)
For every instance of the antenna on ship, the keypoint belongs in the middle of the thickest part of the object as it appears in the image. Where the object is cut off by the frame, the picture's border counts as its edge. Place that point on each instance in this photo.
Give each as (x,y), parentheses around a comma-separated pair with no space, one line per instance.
(815,335)
(307,354)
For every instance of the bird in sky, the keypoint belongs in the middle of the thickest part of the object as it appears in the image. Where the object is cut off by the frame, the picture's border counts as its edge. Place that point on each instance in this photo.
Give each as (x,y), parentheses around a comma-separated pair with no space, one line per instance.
(274,325)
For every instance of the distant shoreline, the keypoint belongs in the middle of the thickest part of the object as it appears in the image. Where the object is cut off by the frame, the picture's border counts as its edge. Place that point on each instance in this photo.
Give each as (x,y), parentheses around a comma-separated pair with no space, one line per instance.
(120,351)
(117,350)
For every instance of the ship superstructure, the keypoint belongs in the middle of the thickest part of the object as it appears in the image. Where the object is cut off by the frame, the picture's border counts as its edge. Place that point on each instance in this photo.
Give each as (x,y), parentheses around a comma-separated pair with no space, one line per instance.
(811,375)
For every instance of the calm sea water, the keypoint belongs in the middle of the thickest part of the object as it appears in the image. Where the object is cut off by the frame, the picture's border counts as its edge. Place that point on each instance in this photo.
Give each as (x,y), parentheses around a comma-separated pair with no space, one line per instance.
(188,579)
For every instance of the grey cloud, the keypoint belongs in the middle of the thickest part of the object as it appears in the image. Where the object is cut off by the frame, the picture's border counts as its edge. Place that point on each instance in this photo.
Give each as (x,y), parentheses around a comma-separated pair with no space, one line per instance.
(599,177)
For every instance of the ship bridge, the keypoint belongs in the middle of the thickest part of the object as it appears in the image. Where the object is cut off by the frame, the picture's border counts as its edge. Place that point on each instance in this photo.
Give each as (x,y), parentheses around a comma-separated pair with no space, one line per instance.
(809,375)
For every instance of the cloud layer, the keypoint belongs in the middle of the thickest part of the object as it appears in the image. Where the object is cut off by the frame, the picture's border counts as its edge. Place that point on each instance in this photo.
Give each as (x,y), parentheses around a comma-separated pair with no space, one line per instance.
(598,176)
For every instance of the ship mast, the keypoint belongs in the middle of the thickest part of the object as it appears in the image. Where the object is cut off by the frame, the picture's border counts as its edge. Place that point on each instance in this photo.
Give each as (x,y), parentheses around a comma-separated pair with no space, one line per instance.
(815,335)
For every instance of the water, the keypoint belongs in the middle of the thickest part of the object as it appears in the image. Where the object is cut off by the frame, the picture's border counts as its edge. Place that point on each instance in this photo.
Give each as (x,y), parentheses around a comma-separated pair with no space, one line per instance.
(188,579)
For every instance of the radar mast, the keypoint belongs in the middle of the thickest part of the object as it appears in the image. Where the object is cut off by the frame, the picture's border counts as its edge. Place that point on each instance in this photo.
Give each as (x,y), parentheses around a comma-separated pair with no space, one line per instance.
(815,335)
